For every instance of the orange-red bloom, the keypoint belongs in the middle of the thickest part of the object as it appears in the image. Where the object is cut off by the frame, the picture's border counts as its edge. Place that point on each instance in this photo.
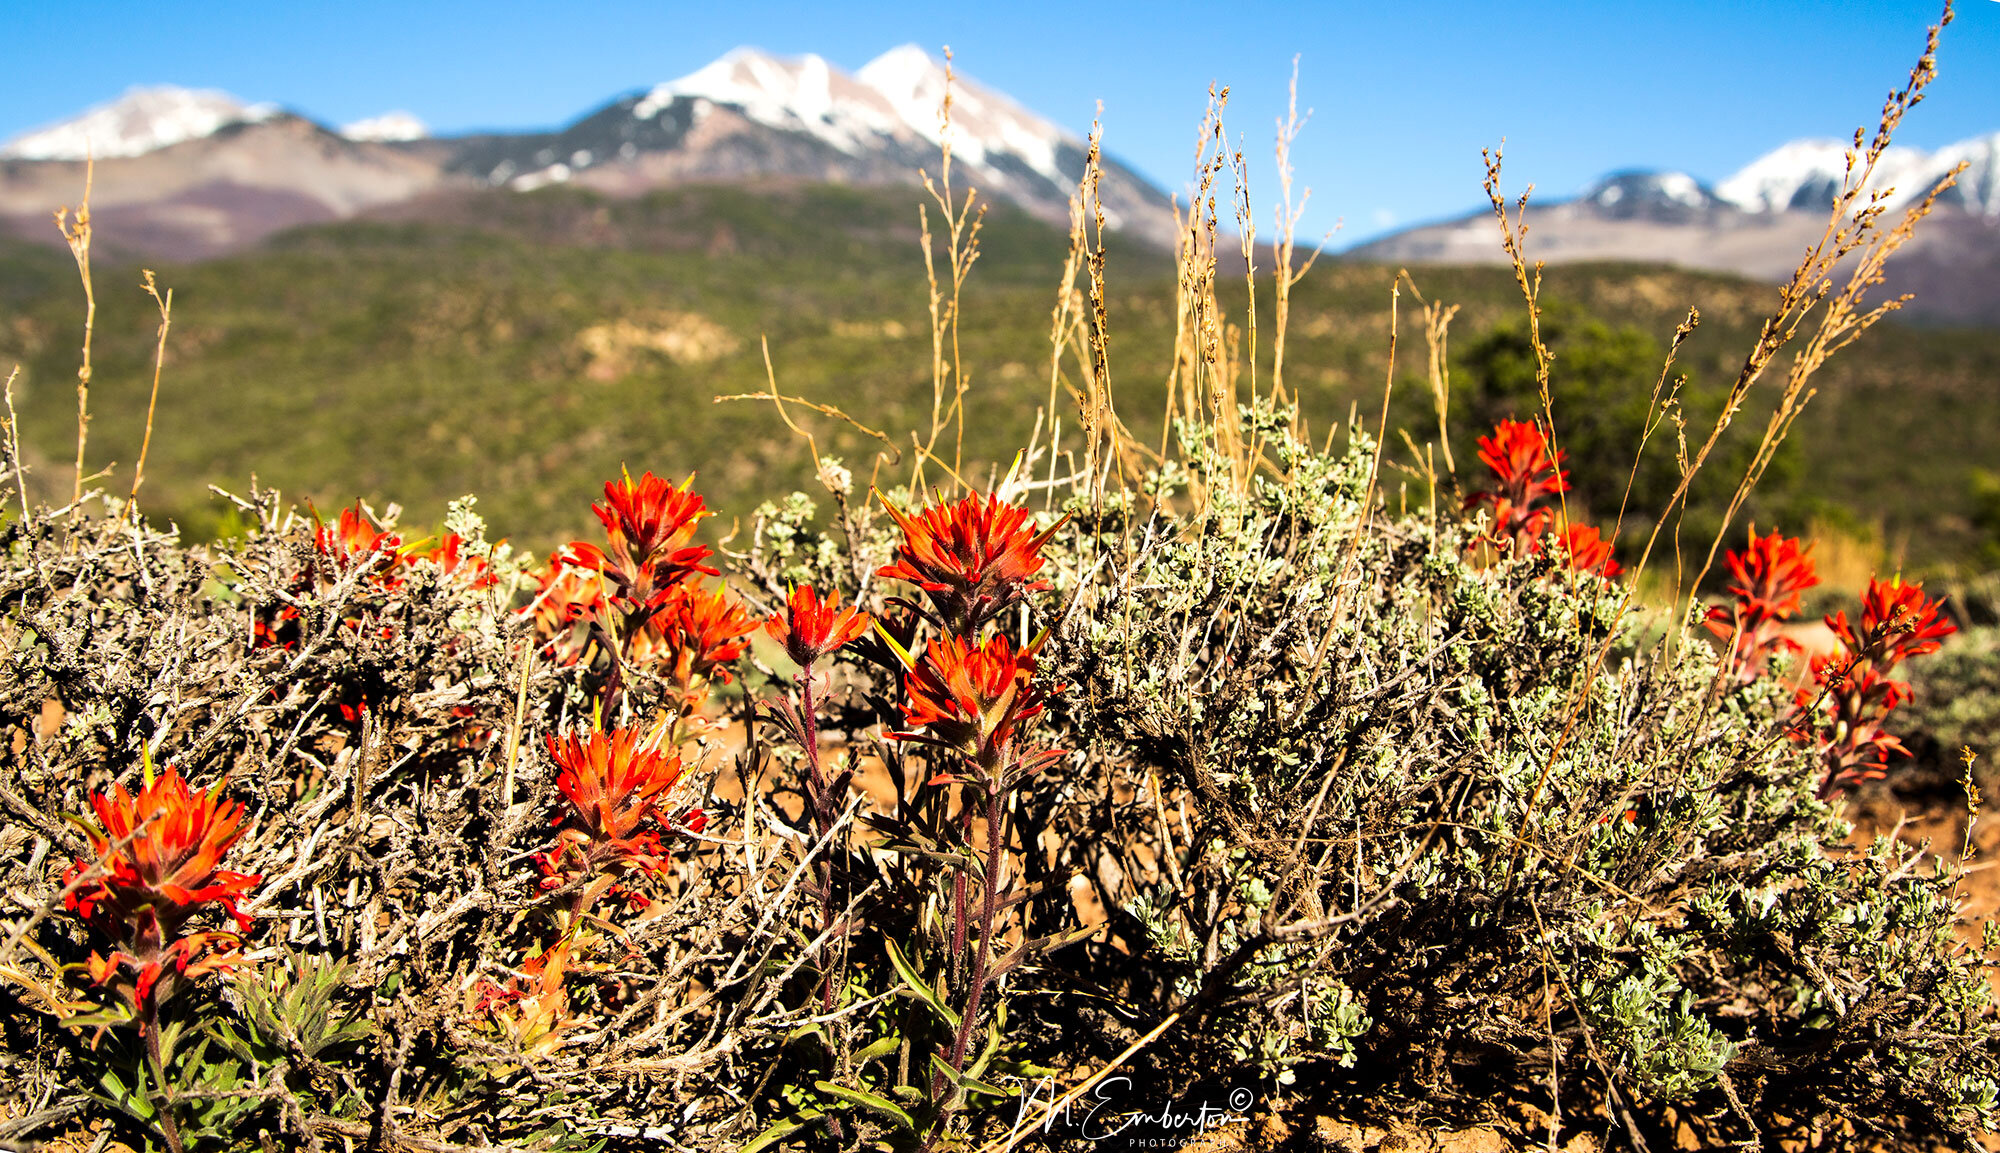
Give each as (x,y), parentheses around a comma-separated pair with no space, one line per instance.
(615,786)
(651,525)
(970,698)
(1897,622)
(1769,577)
(567,596)
(810,628)
(976,558)
(449,555)
(158,858)
(1851,695)
(170,860)
(353,541)
(694,635)
(1518,454)
(1587,550)
(1844,708)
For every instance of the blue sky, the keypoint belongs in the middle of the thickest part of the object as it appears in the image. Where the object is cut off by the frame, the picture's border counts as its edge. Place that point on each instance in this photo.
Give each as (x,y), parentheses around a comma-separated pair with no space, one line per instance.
(1403,94)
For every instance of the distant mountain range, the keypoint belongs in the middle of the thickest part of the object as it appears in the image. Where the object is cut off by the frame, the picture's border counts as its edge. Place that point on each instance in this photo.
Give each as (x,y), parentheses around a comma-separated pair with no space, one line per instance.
(1756,223)
(189,174)
(185,174)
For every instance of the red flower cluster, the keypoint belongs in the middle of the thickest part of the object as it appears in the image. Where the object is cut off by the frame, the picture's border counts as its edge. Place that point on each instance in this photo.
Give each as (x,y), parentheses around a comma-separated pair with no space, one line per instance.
(811,628)
(967,699)
(449,556)
(693,636)
(649,525)
(975,559)
(1897,622)
(617,788)
(1587,550)
(1518,455)
(640,597)
(1768,577)
(1842,711)
(635,604)
(156,864)
(970,698)
(1526,476)
(352,542)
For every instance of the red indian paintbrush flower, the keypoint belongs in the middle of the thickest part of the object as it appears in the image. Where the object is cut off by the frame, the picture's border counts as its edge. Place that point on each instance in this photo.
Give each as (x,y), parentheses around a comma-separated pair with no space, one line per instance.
(615,786)
(567,596)
(1844,708)
(1518,454)
(1852,695)
(450,557)
(650,524)
(1587,550)
(173,842)
(1769,577)
(1897,622)
(353,541)
(811,628)
(976,558)
(157,860)
(970,698)
(694,635)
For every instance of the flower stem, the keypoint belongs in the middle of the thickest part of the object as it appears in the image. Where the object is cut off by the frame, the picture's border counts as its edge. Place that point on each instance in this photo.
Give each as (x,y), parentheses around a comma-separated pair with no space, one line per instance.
(163,1100)
(982,955)
(822,806)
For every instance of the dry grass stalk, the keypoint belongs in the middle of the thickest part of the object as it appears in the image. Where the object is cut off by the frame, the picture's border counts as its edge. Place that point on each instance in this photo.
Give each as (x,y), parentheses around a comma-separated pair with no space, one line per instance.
(1513,239)
(779,400)
(1246,241)
(166,306)
(13,463)
(962,221)
(1844,319)
(1199,384)
(1853,225)
(1101,427)
(1437,326)
(77,236)
(1068,331)
(1659,408)
(1288,271)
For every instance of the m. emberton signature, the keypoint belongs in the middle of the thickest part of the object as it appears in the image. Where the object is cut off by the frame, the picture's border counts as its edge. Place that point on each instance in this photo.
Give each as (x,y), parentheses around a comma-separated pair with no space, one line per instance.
(1110,1111)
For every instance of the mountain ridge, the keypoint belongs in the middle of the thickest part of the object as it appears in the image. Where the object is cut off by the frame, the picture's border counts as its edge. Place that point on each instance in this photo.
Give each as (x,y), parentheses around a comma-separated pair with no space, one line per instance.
(1757,222)
(748,115)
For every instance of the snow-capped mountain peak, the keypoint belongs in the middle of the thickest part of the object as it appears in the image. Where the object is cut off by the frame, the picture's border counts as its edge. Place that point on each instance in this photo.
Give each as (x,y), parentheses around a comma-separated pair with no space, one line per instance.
(802,93)
(1979,185)
(896,96)
(141,121)
(1806,174)
(983,122)
(390,126)
(1630,194)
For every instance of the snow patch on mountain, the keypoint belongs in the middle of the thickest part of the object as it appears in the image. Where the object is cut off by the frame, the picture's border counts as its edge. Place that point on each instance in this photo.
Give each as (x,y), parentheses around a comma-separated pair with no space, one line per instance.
(141,121)
(1807,174)
(387,128)
(1639,191)
(984,123)
(895,96)
(1979,185)
(801,94)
